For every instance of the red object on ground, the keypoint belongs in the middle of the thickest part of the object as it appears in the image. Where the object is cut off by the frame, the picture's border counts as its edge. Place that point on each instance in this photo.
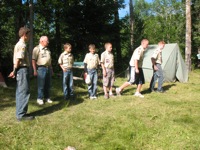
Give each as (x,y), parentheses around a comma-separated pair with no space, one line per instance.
(85,75)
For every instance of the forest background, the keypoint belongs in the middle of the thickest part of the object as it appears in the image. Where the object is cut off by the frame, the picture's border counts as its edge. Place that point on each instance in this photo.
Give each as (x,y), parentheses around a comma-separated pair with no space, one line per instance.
(82,22)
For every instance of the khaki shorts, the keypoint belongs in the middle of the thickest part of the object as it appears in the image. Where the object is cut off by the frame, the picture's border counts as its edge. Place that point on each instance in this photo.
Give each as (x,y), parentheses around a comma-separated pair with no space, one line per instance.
(108,81)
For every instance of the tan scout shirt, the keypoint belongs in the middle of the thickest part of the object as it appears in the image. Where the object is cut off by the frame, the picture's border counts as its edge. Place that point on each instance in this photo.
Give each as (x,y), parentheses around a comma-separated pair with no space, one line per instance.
(107,59)
(92,60)
(42,56)
(66,59)
(138,54)
(157,55)
(20,52)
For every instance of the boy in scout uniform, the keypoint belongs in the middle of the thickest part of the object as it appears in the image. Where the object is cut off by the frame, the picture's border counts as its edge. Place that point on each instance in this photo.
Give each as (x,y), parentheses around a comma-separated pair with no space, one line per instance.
(107,64)
(157,69)
(21,72)
(136,73)
(91,63)
(41,61)
(66,61)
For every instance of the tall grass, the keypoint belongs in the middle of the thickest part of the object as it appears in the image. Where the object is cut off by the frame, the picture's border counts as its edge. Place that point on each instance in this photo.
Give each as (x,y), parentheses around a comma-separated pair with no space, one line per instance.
(159,121)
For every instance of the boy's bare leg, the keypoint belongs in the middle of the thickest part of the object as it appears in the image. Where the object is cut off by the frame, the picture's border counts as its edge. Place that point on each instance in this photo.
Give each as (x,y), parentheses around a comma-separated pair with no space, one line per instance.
(137,93)
(105,90)
(110,91)
(139,87)
(123,86)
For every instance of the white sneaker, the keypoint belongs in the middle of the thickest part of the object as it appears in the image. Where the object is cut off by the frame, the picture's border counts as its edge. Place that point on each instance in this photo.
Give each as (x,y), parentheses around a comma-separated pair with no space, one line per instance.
(40,101)
(94,97)
(49,101)
(111,95)
(70,148)
(139,95)
(118,91)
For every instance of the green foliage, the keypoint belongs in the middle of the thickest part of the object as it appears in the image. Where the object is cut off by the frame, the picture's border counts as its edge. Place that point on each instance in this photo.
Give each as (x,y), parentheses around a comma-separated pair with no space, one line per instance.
(81,22)
(159,121)
(195,31)
(7,30)
(165,22)
(196,24)
(77,22)
(162,20)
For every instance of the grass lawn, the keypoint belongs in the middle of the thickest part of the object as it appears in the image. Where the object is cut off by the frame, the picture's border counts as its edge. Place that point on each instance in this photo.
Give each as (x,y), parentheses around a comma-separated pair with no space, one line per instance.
(168,121)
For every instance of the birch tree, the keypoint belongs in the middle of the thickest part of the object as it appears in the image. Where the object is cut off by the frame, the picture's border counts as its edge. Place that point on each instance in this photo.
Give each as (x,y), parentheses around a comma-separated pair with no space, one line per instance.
(188,35)
(131,24)
(31,34)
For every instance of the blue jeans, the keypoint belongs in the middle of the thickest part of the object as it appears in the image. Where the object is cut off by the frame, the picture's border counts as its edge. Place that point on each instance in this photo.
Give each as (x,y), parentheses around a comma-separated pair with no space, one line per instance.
(68,84)
(44,82)
(92,88)
(157,74)
(22,92)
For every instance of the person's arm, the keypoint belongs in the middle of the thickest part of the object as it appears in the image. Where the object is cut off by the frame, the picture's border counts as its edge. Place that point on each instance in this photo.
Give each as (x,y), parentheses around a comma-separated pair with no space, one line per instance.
(104,69)
(63,68)
(99,63)
(85,64)
(85,68)
(102,65)
(60,62)
(34,67)
(15,66)
(154,63)
(136,66)
(34,60)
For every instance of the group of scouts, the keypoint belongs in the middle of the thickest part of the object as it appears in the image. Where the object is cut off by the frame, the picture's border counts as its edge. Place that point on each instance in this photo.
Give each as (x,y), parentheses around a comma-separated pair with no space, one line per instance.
(41,62)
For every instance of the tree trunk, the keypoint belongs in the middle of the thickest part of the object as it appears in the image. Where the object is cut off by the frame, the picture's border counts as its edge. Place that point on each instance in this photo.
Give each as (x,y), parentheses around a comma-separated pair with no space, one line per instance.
(58,35)
(131,26)
(117,34)
(188,35)
(31,35)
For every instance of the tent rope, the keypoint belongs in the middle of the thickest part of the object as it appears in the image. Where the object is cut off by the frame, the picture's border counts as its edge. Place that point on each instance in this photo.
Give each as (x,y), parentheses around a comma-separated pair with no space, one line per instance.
(121,73)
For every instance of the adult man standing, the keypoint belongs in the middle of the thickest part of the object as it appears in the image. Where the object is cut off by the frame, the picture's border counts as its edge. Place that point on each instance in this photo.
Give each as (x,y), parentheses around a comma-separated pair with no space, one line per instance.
(136,72)
(41,61)
(157,69)
(21,72)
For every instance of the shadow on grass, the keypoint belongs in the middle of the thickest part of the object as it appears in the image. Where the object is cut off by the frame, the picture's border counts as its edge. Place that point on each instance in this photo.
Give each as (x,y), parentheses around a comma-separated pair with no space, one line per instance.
(129,90)
(7,97)
(56,107)
(165,88)
(80,83)
(5,105)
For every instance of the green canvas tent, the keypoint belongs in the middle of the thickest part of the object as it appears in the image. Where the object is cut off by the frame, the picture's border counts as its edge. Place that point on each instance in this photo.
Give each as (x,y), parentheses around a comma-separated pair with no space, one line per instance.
(173,65)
